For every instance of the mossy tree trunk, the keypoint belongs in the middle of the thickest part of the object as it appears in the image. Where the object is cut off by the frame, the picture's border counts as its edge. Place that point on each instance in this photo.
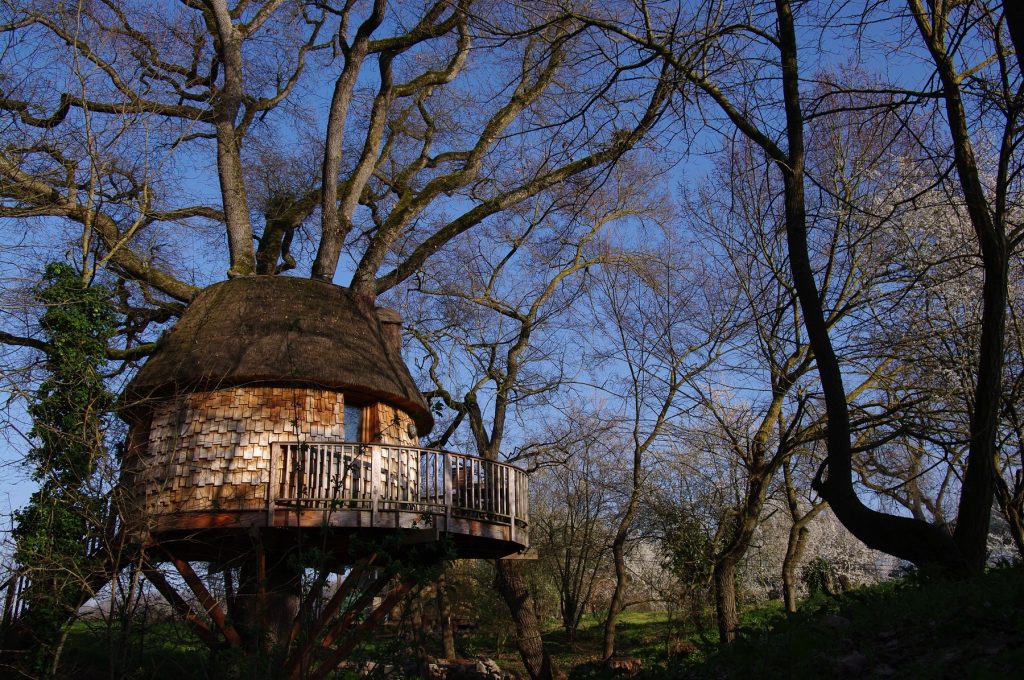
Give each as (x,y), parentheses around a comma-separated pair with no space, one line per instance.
(444,614)
(510,584)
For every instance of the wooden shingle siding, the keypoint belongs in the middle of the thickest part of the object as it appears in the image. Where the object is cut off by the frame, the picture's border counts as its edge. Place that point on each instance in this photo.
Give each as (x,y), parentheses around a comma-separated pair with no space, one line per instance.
(393,426)
(211,450)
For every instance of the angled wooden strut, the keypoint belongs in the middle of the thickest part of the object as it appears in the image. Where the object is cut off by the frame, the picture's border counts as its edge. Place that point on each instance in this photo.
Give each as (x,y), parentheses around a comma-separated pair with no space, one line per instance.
(333,605)
(325,630)
(180,606)
(208,601)
(300,659)
(337,629)
(365,600)
(356,636)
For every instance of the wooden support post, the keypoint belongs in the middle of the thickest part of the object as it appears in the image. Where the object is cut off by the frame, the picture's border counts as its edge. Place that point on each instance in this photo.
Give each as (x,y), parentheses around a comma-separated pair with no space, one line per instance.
(261,582)
(208,601)
(179,605)
(512,489)
(295,666)
(333,605)
(277,451)
(449,489)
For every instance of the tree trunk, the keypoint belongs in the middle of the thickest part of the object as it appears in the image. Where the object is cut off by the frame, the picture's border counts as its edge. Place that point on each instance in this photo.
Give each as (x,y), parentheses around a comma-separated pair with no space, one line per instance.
(570,608)
(266,604)
(723,572)
(509,582)
(336,221)
(619,542)
(978,488)
(273,255)
(724,576)
(226,107)
(797,542)
(615,606)
(1013,13)
(794,552)
(444,614)
(241,253)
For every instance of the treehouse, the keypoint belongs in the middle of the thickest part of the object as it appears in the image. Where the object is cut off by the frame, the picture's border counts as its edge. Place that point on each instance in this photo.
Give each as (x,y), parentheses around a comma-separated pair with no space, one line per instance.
(280,408)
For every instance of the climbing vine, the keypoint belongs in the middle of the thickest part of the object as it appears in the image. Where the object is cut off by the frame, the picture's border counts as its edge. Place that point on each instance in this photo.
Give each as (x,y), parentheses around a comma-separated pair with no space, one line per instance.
(70,413)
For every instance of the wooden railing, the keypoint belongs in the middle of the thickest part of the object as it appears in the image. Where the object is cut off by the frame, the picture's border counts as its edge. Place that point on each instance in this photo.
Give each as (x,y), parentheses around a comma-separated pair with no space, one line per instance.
(12,589)
(100,546)
(391,478)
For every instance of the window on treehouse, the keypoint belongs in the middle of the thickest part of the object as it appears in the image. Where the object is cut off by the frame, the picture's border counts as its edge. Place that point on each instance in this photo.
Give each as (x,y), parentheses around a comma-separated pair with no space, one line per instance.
(362,422)
(354,423)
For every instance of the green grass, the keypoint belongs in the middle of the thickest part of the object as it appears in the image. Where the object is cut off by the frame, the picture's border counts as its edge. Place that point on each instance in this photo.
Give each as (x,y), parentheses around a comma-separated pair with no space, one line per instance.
(159,650)
(932,629)
(921,629)
(644,634)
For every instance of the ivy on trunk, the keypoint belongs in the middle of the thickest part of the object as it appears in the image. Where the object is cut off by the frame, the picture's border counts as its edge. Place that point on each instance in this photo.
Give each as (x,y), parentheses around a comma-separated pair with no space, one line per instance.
(69,415)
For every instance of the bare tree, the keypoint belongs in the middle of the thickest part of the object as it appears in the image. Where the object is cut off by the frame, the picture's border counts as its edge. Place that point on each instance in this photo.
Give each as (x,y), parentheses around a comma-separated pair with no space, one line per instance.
(491,317)
(725,53)
(661,320)
(435,150)
(763,409)
(573,510)
(942,29)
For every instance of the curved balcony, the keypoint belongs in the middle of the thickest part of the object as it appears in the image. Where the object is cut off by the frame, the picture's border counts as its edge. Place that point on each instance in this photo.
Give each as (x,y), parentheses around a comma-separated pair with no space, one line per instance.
(481,505)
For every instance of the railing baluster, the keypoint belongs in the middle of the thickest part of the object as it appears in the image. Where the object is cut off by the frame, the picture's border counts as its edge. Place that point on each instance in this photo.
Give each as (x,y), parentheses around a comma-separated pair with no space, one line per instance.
(275,451)
(316,455)
(512,504)
(374,482)
(321,486)
(333,478)
(303,453)
(287,480)
(503,495)
(446,477)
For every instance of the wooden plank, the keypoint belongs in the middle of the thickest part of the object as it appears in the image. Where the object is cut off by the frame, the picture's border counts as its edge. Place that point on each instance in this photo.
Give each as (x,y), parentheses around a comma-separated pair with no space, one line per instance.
(197,520)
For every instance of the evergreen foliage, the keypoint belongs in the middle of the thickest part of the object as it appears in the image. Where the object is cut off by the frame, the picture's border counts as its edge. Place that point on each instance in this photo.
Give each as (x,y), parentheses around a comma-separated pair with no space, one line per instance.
(70,414)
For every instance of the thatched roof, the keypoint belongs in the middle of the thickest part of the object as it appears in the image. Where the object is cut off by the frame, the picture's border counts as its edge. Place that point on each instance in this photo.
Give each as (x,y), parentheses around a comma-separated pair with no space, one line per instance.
(283,331)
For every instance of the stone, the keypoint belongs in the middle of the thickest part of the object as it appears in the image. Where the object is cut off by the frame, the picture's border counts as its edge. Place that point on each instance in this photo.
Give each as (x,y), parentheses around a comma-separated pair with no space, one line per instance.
(624,665)
(492,669)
